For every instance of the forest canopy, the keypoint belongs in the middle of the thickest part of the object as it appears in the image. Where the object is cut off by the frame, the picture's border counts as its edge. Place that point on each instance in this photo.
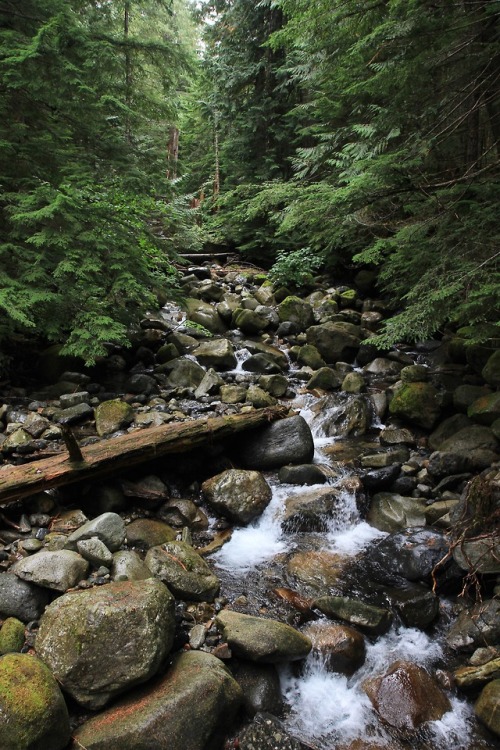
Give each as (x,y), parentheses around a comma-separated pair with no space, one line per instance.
(359,134)
(369,132)
(89,92)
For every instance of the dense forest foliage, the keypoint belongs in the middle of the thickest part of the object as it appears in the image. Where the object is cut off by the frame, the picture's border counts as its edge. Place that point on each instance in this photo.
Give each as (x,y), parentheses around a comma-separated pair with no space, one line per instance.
(380,145)
(338,134)
(89,92)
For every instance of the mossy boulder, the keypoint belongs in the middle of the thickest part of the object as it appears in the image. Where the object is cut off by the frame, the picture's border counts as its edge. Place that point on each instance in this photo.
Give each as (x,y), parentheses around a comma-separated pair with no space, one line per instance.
(261,640)
(183,570)
(368,617)
(149,532)
(335,341)
(348,298)
(353,382)
(237,493)
(113,415)
(491,370)
(11,636)
(249,321)
(486,409)
(295,310)
(417,403)
(487,707)
(325,379)
(104,640)
(33,711)
(205,315)
(218,353)
(309,356)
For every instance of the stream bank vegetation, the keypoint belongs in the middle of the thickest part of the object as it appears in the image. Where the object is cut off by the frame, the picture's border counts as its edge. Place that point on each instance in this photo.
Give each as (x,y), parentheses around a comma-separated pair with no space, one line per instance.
(368,133)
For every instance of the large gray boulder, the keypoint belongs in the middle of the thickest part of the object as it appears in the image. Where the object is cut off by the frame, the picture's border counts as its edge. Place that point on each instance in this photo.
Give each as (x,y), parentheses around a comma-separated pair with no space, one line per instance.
(260,684)
(262,640)
(335,341)
(411,554)
(185,373)
(205,315)
(32,709)
(288,441)
(390,511)
(338,416)
(108,527)
(296,310)
(249,321)
(217,353)
(237,493)
(104,640)
(190,708)
(475,627)
(183,570)
(472,438)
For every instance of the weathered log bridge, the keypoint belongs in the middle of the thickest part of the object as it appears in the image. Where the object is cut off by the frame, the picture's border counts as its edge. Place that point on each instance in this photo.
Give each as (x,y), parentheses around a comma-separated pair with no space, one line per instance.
(113,455)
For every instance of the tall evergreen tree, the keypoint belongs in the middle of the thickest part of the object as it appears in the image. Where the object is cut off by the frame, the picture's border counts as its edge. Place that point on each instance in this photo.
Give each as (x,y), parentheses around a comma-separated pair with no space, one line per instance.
(86,101)
(245,97)
(401,101)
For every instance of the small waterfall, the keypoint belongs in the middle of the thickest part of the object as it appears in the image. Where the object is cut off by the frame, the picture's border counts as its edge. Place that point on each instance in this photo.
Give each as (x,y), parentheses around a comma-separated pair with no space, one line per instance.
(329,708)
(347,533)
(241,355)
(262,540)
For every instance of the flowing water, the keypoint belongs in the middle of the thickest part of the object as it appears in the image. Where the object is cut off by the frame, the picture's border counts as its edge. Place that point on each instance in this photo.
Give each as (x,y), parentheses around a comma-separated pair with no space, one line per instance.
(326,709)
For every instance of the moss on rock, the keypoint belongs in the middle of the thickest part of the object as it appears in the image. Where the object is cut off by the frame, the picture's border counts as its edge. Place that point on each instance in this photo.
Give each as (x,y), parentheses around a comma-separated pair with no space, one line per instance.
(33,711)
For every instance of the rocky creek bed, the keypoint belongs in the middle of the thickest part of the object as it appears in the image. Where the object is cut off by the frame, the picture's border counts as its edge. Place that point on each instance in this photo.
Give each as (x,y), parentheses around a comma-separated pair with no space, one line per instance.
(330,580)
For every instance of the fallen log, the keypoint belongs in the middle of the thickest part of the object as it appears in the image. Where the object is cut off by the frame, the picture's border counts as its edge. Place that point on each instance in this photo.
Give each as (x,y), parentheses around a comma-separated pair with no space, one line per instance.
(113,455)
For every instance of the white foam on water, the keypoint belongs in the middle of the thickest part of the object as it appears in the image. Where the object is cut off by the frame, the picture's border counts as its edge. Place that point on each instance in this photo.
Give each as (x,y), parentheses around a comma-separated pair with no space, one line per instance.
(329,708)
(352,540)
(241,355)
(453,729)
(324,706)
(408,644)
(253,545)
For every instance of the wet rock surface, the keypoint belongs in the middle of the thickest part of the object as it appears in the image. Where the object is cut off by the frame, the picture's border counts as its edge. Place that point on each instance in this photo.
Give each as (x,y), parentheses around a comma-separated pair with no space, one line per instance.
(407,696)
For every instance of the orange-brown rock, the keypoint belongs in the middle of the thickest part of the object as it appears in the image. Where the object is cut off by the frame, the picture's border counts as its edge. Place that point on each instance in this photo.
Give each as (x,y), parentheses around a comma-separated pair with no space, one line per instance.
(342,648)
(406,696)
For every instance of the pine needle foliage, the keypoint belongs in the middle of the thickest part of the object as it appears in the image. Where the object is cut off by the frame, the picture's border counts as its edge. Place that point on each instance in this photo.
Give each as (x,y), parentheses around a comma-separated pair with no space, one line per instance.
(404,115)
(86,100)
(396,153)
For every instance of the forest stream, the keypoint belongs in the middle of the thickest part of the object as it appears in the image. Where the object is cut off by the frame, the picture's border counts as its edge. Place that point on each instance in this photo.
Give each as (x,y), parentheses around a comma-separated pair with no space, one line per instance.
(293,586)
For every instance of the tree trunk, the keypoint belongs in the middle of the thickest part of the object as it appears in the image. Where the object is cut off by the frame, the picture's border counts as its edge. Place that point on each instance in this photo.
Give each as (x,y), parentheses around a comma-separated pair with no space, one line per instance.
(119,454)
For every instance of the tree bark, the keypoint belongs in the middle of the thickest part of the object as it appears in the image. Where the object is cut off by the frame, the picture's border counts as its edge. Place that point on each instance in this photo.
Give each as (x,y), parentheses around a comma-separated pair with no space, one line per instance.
(118,454)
